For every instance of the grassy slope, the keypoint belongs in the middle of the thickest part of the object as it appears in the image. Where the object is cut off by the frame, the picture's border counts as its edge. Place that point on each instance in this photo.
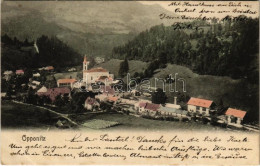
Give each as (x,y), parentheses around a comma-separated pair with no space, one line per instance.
(232,92)
(113,66)
(15,115)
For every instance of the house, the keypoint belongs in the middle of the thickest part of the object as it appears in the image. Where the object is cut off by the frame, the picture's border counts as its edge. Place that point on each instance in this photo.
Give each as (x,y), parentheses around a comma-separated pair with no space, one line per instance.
(36,75)
(107,90)
(113,99)
(8,72)
(99,60)
(72,69)
(128,101)
(19,72)
(200,106)
(7,75)
(235,116)
(54,92)
(148,108)
(101,97)
(3,95)
(49,68)
(66,82)
(93,75)
(42,90)
(36,82)
(172,112)
(90,103)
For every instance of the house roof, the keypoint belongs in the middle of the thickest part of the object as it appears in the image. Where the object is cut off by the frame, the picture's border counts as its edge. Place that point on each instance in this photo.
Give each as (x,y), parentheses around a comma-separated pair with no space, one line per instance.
(49,68)
(54,92)
(236,113)
(142,104)
(200,102)
(112,98)
(42,90)
(19,71)
(66,80)
(99,69)
(8,72)
(36,82)
(36,74)
(152,106)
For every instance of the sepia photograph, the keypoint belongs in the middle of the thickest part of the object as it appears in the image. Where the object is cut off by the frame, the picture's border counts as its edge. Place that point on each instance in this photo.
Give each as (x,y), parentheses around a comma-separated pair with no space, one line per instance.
(142,66)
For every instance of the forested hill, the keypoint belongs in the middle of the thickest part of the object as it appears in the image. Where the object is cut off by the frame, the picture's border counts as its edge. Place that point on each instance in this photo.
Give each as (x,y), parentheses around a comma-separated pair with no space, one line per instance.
(51,51)
(229,48)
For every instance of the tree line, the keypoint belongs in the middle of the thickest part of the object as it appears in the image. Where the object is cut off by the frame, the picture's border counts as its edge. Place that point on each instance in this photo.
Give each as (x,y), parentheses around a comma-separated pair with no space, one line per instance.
(227,48)
(51,52)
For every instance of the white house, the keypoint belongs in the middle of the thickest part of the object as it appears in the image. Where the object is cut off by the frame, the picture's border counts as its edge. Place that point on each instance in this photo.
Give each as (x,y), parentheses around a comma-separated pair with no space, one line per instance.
(235,116)
(36,75)
(200,106)
(36,82)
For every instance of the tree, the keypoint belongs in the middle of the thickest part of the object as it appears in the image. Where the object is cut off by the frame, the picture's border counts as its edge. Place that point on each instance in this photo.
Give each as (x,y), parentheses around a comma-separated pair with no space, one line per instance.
(123,69)
(58,101)
(159,97)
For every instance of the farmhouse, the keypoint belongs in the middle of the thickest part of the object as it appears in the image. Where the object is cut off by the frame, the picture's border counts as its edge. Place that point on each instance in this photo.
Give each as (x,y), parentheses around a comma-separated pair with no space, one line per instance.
(19,72)
(235,116)
(200,106)
(148,108)
(66,82)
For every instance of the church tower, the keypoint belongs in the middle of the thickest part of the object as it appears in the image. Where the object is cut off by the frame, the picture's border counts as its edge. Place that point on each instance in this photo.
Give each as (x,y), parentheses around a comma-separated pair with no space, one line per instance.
(85,64)
(85,68)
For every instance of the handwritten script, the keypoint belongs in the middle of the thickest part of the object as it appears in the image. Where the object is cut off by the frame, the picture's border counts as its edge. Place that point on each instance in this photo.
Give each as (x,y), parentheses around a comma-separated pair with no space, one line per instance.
(132,147)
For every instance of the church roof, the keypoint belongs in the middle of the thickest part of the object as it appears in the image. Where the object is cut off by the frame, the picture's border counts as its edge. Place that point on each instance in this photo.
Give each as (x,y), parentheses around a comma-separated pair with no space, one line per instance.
(99,69)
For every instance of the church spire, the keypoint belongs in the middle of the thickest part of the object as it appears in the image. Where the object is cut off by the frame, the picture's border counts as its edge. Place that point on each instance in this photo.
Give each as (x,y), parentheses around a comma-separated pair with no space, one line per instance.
(85,59)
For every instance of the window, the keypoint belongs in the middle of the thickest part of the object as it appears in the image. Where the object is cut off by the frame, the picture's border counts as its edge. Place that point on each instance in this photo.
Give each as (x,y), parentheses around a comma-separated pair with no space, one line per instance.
(203,109)
(197,108)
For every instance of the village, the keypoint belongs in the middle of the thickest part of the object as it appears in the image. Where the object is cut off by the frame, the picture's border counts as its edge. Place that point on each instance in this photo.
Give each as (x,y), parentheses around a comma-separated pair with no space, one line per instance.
(54,94)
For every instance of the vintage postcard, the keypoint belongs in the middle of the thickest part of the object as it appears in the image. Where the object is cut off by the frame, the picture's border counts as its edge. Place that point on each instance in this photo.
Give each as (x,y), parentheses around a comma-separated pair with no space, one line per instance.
(129,83)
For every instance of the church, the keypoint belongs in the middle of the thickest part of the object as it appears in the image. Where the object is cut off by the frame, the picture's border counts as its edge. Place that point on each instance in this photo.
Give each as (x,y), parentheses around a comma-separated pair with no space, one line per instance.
(94,75)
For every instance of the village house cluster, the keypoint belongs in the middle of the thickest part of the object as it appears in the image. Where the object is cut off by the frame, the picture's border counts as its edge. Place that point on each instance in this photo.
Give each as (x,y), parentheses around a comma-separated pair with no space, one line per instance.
(134,102)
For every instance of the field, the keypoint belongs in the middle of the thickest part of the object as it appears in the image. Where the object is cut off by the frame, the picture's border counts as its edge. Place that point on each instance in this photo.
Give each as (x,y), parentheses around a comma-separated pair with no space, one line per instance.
(20,116)
(129,122)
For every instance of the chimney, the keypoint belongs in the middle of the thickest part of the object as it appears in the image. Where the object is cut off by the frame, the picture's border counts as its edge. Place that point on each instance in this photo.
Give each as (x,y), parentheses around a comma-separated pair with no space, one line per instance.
(175,100)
